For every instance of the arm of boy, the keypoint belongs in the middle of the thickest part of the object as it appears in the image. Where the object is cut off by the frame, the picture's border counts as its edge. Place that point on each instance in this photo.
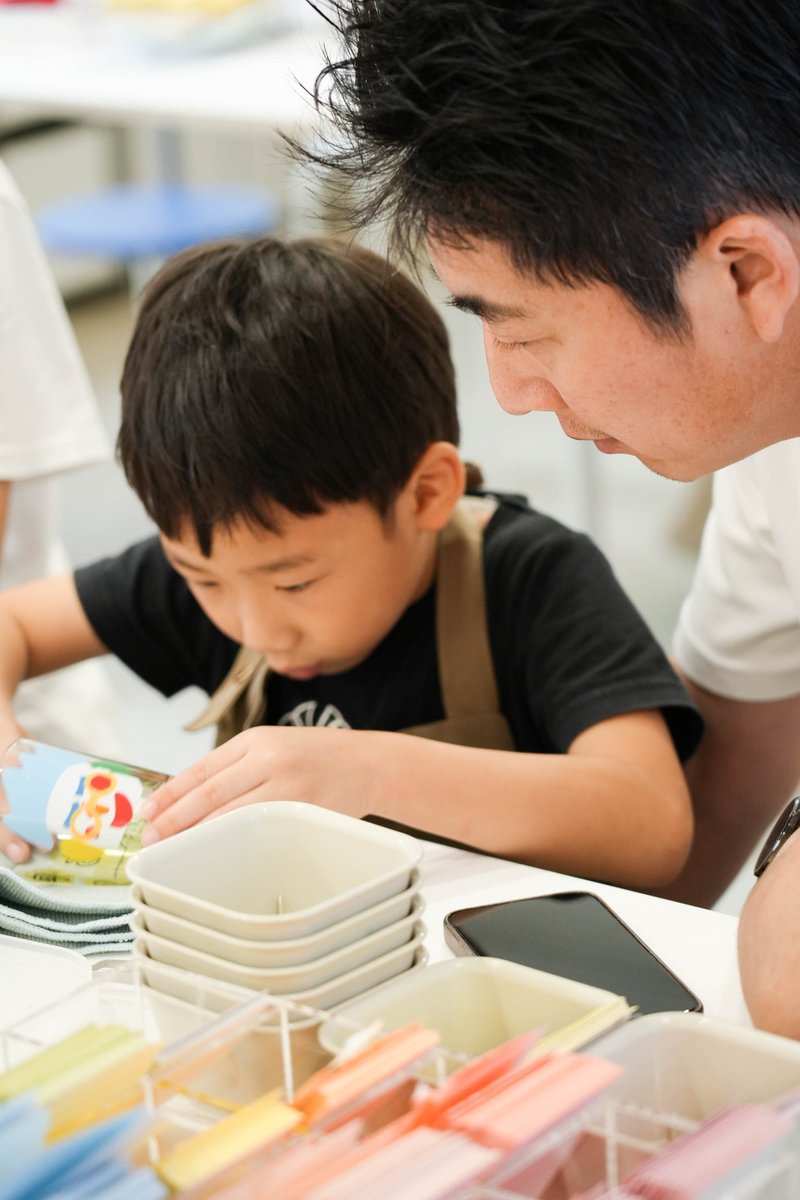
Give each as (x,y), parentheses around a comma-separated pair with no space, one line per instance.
(42,628)
(614,807)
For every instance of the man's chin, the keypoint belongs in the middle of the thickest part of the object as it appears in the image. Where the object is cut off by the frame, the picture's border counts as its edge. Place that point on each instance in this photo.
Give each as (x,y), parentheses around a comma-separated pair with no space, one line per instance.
(674,472)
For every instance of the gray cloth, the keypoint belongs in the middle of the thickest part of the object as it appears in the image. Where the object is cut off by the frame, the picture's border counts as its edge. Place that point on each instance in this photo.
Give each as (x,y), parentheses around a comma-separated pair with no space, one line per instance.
(89,919)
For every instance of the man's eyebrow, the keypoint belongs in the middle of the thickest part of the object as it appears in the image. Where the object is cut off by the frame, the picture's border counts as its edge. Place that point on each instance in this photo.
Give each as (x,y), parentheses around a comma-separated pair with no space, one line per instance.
(487,310)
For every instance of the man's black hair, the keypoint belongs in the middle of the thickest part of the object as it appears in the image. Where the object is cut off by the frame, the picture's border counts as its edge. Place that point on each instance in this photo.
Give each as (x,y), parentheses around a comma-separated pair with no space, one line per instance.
(597,140)
(266,375)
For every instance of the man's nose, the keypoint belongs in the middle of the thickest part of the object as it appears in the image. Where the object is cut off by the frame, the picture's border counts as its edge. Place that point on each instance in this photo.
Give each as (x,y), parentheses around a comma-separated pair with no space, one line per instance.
(521,389)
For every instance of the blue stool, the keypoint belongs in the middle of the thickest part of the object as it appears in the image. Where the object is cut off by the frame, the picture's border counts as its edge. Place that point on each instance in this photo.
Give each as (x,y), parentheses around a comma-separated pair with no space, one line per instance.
(142,224)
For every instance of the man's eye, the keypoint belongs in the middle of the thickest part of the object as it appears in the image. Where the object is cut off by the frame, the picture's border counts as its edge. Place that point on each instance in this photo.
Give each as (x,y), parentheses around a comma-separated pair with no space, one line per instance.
(526,345)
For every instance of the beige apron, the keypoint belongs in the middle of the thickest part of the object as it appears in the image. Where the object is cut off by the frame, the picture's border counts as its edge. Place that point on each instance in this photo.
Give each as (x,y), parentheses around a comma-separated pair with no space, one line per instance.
(466,671)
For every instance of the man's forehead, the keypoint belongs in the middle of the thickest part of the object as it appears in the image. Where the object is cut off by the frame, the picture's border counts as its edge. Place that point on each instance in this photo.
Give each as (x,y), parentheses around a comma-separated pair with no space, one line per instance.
(482,280)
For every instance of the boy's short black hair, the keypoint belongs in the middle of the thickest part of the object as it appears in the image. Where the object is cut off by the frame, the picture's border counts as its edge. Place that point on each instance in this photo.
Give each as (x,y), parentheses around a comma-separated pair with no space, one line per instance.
(265,374)
(594,139)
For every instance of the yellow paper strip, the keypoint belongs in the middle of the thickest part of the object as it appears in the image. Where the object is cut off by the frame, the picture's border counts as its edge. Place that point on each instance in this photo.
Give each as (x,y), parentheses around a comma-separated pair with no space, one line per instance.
(111,1087)
(584,1029)
(206,1153)
(56,1059)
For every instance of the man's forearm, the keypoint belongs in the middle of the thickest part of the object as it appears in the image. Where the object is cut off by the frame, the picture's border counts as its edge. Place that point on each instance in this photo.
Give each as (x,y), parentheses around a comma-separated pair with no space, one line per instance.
(769,953)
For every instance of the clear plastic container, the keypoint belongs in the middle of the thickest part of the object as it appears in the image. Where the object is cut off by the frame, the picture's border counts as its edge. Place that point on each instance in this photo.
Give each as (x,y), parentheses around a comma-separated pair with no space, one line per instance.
(680,1069)
(81,811)
(476,1004)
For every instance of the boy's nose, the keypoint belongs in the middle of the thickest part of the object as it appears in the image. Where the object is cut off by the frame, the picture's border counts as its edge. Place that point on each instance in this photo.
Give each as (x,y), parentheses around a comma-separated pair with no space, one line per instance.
(267,636)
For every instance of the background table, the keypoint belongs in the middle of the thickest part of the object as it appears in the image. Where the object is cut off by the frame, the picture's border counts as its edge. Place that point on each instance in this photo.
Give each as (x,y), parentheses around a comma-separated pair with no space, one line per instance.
(69,61)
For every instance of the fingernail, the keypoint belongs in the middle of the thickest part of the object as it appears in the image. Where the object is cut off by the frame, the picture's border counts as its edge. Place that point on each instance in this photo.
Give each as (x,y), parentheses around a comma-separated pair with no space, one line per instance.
(149,836)
(15,852)
(147,810)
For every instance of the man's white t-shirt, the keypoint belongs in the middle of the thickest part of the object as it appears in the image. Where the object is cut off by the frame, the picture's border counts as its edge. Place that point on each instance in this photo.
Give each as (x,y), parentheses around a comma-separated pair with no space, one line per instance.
(49,424)
(739,629)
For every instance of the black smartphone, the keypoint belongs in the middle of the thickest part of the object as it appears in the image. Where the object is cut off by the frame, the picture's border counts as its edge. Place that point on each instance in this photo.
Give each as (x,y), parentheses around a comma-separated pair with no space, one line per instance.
(575,935)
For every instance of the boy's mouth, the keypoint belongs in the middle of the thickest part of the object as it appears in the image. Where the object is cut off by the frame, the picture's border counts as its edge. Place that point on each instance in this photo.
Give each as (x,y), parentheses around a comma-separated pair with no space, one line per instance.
(299,673)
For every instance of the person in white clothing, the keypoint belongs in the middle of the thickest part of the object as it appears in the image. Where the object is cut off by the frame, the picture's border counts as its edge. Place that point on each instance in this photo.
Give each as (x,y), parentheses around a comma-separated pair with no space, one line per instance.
(49,424)
(738,639)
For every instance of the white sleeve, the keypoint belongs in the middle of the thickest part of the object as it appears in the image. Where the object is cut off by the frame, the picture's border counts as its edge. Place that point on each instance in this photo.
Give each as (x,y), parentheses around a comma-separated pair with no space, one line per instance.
(48,416)
(738,633)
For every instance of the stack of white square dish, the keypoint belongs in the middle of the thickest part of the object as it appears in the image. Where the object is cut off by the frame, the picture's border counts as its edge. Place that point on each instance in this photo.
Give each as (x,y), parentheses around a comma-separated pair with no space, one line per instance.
(282,897)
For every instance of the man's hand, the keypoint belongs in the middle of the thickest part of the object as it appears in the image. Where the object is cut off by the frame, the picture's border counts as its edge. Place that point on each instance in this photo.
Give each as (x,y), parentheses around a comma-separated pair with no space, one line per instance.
(335,768)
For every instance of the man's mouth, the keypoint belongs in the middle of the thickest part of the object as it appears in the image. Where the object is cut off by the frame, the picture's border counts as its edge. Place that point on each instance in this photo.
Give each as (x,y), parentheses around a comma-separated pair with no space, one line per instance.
(604,443)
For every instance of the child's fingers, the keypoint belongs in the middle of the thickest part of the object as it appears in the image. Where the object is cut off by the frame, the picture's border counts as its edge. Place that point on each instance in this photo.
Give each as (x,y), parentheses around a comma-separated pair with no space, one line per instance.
(14,849)
(189,780)
(218,791)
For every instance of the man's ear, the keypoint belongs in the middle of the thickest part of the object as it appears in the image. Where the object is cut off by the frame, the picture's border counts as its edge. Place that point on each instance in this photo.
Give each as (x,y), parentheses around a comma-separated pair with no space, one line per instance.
(755,259)
(436,485)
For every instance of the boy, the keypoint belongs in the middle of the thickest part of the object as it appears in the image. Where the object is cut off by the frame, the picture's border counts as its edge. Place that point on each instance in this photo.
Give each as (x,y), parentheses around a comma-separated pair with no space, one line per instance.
(289,422)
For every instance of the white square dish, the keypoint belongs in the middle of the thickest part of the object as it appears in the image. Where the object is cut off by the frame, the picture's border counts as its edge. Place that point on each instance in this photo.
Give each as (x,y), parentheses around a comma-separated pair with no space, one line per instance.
(274,871)
(215,995)
(290,952)
(33,970)
(280,980)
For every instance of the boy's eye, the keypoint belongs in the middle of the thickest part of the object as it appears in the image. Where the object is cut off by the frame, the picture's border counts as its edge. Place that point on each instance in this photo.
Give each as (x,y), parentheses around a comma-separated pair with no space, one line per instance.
(204,585)
(293,588)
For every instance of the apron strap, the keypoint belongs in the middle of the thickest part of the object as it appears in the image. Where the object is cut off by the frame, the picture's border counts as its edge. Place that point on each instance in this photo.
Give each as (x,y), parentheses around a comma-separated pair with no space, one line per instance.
(238,702)
(466,669)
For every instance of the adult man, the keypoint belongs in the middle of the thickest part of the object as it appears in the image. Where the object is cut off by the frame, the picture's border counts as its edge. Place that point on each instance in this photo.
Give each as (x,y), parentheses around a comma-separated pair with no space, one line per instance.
(613,188)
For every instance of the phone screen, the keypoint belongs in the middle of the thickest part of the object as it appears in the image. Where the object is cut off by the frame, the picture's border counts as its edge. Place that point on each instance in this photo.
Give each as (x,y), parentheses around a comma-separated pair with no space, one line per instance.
(575,935)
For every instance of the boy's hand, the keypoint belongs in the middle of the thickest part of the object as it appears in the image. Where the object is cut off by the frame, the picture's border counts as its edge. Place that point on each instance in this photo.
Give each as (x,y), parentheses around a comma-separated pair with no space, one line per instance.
(335,768)
(13,847)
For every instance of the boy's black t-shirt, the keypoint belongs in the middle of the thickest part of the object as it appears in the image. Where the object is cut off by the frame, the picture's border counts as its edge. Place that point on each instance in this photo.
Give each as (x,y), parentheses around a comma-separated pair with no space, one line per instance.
(569,648)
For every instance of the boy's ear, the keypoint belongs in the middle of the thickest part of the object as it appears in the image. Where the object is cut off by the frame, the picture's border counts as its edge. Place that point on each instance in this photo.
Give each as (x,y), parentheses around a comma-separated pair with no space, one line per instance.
(755,260)
(436,485)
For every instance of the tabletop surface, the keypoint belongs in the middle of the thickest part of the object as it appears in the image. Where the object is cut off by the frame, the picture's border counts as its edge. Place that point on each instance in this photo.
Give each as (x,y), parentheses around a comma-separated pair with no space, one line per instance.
(698,945)
(72,60)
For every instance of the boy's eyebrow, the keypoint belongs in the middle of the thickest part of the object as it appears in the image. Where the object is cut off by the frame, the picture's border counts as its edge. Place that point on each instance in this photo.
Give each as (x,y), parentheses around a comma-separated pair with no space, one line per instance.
(487,310)
(281,564)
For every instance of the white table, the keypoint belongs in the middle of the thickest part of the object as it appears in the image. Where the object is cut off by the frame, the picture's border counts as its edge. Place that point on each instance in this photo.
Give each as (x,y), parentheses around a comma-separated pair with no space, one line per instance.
(71,62)
(697,944)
